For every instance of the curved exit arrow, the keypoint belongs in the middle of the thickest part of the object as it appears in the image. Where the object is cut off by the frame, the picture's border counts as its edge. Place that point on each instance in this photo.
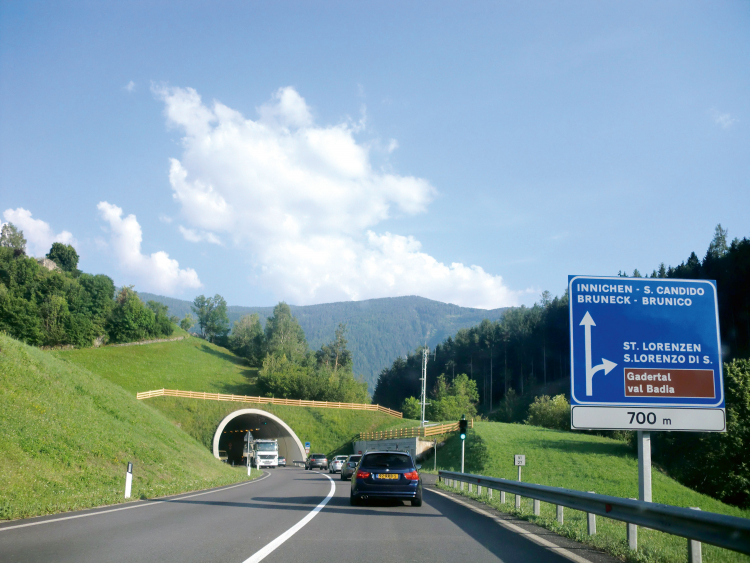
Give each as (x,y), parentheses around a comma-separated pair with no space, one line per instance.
(606,365)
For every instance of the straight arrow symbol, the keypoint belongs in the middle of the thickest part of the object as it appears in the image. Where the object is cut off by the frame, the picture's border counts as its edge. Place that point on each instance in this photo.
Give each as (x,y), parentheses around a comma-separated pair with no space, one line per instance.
(606,365)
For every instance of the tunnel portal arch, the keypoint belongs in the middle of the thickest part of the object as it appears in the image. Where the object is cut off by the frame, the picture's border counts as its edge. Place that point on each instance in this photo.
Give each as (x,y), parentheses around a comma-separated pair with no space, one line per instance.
(231,431)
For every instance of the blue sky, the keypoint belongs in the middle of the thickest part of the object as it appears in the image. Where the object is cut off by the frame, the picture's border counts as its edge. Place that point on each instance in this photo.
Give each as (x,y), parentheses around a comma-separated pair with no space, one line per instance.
(474,153)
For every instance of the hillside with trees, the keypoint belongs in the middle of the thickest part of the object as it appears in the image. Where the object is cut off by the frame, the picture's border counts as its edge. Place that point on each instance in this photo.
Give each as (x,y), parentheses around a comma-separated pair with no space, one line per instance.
(378,330)
(517,361)
(50,302)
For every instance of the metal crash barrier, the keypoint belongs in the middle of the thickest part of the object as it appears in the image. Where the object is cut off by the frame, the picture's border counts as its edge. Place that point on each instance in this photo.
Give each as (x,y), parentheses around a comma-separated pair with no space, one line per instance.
(728,532)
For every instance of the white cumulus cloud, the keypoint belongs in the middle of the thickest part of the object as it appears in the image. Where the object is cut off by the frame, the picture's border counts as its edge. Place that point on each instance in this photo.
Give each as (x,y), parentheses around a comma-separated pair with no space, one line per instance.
(302,200)
(192,235)
(38,234)
(155,272)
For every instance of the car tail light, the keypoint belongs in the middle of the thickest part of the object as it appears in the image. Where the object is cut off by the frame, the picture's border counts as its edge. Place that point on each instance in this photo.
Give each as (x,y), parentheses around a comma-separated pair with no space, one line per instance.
(362,474)
(412,476)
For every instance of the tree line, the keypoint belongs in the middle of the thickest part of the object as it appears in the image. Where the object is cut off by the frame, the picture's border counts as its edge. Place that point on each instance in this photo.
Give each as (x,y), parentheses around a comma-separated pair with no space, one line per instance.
(288,369)
(517,361)
(64,306)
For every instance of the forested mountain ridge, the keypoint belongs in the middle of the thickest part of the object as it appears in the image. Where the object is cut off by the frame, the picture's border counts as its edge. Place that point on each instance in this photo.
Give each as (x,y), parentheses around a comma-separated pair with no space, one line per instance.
(378,330)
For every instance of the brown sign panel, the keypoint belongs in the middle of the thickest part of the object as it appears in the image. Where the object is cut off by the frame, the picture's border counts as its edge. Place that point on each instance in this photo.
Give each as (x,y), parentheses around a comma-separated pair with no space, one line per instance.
(677,383)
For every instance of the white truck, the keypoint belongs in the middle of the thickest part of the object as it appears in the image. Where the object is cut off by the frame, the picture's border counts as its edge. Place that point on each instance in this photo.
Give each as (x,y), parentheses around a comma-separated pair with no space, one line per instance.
(265,453)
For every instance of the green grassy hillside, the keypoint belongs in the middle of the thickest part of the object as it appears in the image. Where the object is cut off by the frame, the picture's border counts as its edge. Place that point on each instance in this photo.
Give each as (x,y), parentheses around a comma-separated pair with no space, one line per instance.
(67,435)
(586,463)
(190,365)
(379,330)
(196,365)
(329,431)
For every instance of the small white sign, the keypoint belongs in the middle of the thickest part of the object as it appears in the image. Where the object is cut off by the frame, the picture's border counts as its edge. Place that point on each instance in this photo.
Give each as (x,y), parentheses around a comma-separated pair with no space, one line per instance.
(642,418)
(519,460)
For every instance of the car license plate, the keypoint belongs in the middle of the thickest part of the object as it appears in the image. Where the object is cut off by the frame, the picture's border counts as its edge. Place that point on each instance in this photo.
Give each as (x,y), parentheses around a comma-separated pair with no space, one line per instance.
(387,475)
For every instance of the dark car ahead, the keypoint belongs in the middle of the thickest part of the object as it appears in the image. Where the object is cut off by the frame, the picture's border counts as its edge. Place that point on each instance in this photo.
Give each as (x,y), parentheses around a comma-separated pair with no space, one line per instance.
(386,475)
(316,461)
(350,466)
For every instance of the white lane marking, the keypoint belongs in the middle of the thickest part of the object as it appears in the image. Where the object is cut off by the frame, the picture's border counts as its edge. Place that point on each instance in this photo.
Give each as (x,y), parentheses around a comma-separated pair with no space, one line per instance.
(271,547)
(517,529)
(143,505)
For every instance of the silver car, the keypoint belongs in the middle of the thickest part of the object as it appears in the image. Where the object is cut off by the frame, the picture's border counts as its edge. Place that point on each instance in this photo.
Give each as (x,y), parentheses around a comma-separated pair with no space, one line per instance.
(350,466)
(336,464)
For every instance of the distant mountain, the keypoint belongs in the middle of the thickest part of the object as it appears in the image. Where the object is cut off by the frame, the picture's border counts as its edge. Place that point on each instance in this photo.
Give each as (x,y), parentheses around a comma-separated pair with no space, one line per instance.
(378,330)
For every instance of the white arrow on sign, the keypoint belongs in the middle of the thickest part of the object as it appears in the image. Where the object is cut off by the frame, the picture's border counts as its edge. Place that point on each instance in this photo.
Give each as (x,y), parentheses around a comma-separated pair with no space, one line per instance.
(606,365)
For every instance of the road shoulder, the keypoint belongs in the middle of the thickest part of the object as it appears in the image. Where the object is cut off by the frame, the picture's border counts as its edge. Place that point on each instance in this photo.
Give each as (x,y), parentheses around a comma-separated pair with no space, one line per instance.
(568,548)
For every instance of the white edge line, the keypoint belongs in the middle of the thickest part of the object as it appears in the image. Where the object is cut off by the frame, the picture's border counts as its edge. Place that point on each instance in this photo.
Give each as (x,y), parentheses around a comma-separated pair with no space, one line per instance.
(517,529)
(142,505)
(271,547)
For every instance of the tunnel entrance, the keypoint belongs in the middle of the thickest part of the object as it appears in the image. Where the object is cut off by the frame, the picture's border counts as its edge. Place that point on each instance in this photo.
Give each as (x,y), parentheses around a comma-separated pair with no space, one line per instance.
(229,437)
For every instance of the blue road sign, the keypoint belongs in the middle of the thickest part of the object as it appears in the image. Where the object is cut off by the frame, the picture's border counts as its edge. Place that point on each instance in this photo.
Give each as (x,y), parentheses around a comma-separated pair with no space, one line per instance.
(645,354)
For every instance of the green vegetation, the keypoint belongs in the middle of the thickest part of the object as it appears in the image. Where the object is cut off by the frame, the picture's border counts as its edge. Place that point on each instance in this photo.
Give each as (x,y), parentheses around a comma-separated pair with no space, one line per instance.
(68,435)
(379,330)
(196,365)
(191,365)
(66,307)
(330,431)
(450,400)
(586,463)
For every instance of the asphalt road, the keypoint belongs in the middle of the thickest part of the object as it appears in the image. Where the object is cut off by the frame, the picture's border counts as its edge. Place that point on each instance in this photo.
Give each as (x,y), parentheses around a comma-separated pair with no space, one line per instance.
(237,524)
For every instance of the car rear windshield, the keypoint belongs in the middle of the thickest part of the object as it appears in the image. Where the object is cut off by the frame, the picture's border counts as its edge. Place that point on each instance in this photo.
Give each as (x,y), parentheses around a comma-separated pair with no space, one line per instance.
(318,456)
(355,458)
(391,461)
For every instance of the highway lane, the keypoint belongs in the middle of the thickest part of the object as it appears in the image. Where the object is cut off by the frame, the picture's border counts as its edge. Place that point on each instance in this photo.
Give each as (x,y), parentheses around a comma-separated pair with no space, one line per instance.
(233,524)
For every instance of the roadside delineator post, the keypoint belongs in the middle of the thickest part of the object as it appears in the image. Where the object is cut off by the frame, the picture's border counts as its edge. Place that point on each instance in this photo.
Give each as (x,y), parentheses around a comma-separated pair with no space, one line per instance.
(694,547)
(591,521)
(632,533)
(537,507)
(560,514)
(129,480)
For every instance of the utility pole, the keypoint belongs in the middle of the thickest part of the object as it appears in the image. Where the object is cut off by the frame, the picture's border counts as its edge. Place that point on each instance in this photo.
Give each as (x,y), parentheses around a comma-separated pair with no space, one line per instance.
(425,355)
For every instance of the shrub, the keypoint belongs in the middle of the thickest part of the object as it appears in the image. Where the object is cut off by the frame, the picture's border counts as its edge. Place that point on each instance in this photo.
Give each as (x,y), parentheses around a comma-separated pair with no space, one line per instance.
(550,412)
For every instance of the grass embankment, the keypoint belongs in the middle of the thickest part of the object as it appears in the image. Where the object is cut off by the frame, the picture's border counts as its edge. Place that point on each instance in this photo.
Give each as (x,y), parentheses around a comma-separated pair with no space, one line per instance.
(67,435)
(189,365)
(197,365)
(329,431)
(586,463)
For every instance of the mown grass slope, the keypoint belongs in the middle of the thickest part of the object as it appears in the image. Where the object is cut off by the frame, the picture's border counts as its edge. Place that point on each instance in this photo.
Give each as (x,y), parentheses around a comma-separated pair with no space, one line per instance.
(586,463)
(192,364)
(197,365)
(67,435)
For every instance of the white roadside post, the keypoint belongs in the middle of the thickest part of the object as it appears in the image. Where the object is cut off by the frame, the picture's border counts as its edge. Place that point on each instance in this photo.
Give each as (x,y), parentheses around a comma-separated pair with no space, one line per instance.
(644,466)
(434,465)
(632,535)
(591,521)
(129,480)
(694,547)
(519,461)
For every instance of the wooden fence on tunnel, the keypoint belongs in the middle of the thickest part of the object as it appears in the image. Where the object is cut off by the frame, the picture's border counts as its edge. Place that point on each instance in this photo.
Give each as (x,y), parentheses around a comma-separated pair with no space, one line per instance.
(265,400)
(413,432)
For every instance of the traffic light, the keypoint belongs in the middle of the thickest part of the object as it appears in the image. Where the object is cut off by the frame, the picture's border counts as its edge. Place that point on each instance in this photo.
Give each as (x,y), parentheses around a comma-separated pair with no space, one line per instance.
(463,425)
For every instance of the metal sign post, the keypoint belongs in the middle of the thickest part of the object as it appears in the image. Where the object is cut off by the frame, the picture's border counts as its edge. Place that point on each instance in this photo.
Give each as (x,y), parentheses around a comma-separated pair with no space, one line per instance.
(645,355)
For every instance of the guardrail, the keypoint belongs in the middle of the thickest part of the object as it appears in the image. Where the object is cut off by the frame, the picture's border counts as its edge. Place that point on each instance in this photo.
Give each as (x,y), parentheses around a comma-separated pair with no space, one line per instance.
(265,400)
(720,530)
(412,432)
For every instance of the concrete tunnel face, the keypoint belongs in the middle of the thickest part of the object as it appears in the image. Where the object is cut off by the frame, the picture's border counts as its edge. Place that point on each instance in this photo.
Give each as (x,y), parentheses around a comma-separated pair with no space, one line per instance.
(229,437)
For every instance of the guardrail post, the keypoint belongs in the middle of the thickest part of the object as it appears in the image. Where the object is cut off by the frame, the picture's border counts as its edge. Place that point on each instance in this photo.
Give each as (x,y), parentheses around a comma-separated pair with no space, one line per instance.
(479,490)
(560,517)
(632,534)
(518,502)
(489,494)
(591,521)
(502,497)
(462,485)
(537,507)
(694,547)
